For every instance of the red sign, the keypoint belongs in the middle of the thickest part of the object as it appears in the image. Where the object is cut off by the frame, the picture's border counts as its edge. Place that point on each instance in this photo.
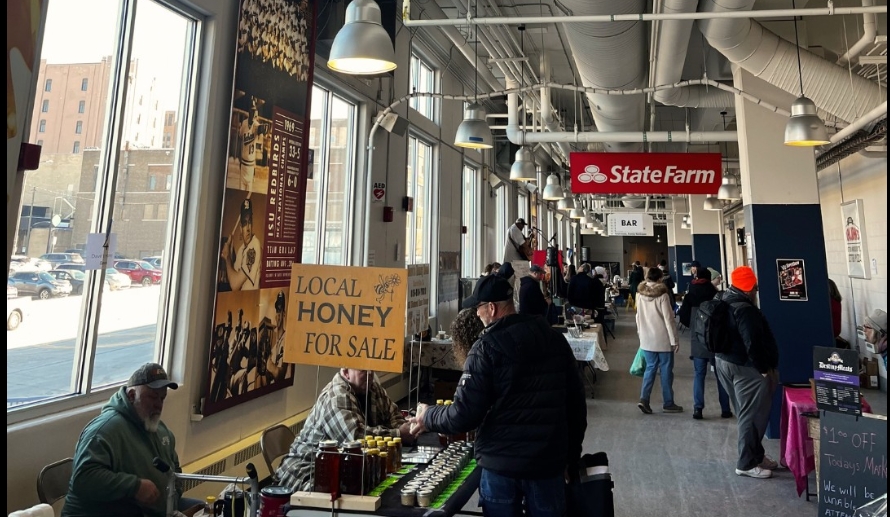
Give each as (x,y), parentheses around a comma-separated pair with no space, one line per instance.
(379,192)
(646,173)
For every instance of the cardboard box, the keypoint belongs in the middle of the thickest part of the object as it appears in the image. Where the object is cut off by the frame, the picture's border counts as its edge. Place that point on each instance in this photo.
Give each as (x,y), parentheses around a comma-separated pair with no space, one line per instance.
(871,374)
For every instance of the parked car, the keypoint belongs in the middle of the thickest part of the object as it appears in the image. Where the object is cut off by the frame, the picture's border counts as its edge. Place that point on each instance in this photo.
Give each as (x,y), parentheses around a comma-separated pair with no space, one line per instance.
(139,271)
(154,261)
(60,258)
(116,280)
(40,284)
(73,267)
(25,263)
(16,308)
(74,277)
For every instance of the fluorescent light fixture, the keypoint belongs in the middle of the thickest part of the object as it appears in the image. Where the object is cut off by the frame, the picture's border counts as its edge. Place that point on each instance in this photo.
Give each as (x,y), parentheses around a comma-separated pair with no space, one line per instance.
(362,46)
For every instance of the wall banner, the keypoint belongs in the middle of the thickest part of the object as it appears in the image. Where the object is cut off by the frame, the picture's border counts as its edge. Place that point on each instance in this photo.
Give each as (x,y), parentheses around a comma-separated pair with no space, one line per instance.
(646,173)
(347,317)
(854,239)
(261,233)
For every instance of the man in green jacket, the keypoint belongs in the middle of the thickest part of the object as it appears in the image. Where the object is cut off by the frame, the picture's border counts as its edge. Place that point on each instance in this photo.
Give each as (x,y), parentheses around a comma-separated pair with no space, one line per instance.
(113,472)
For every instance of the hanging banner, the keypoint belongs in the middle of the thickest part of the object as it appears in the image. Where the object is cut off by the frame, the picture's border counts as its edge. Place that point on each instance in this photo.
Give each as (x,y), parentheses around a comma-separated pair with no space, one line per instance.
(854,239)
(347,317)
(261,233)
(646,173)
(418,316)
(631,224)
(792,280)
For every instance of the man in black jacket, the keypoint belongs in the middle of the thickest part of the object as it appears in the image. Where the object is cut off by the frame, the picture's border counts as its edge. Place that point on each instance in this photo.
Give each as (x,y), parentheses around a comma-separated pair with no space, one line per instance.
(749,373)
(531,298)
(522,389)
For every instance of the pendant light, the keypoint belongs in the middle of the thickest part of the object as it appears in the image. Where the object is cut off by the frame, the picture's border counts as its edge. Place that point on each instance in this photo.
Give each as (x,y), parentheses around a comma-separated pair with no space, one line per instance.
(553,190)
(576,212)
(566,203)
(712,203)
(523,168)
(729,189)
(804,128)
(362,46)
(473,132)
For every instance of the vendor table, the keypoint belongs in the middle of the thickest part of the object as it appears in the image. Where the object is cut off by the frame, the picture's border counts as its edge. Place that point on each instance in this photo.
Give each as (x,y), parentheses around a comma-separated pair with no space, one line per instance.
(796,447)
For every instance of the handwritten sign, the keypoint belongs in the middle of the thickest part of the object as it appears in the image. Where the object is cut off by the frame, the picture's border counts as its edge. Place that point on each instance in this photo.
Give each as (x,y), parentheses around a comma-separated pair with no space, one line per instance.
(418,317)
(347,317)
(853,462)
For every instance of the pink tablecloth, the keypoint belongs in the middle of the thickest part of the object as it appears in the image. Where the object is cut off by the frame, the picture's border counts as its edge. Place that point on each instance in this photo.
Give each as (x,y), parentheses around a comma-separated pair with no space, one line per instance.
(795,445)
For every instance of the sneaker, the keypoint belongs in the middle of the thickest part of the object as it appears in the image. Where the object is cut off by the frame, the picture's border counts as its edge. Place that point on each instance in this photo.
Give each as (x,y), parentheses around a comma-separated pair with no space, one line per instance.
(673,408)
(644,407)
(769,463)
(726,414)
(756,473)
(696,414)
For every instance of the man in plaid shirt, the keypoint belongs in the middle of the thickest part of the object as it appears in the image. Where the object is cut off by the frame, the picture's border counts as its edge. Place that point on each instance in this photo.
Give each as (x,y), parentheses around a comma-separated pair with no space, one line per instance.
(353,405)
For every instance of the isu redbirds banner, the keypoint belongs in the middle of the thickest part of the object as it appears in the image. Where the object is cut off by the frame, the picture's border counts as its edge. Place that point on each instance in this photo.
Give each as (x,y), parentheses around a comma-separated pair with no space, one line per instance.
(645,173)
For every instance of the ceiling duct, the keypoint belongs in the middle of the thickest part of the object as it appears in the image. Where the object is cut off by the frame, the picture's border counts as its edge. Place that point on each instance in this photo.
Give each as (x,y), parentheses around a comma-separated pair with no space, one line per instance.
(852,145)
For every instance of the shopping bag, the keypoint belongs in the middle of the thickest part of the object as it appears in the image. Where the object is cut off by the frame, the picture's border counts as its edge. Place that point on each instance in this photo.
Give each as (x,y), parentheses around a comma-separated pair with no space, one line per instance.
(638,366)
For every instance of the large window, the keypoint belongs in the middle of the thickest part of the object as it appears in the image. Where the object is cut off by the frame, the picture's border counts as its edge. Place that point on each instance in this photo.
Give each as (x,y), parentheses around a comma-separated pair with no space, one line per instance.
(81,336)
(418,236)
(501,220)
(328,191)
(472,207)
(423,79)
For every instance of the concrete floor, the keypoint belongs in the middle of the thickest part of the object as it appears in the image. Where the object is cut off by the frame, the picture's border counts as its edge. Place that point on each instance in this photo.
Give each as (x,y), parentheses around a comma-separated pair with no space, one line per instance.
(671,465)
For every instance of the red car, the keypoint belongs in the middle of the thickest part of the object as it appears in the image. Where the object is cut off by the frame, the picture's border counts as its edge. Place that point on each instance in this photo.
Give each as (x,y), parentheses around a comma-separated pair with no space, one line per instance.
(139,271)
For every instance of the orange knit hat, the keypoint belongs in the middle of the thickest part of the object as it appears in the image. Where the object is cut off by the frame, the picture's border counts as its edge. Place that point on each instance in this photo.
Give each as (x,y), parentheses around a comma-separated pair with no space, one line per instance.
(744,279)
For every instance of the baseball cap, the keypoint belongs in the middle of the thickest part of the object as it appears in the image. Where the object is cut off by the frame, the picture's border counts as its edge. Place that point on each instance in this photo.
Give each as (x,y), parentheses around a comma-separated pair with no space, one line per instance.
(152,375)
(877,320)
(520,221)
(491,288)
(695,264)
(534,268)
(246,209)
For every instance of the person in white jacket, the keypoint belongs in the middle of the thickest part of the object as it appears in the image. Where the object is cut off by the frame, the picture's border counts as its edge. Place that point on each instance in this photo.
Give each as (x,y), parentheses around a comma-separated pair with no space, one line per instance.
(658,340)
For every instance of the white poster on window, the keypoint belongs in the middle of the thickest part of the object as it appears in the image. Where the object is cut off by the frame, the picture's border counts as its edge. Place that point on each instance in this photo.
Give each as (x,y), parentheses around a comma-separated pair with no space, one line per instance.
(99,250)
(855,244)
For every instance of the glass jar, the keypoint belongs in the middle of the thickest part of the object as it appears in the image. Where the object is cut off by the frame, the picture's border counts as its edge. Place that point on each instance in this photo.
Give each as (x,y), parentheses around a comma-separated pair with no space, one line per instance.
(351,468)
(209,503)
(327,467)
(398,442)
(390,457)
(384,461)
(373,468)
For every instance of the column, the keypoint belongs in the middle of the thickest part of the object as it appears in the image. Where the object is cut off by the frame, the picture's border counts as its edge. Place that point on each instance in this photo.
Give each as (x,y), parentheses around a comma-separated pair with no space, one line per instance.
(679,250)
(783,217)
(705,233)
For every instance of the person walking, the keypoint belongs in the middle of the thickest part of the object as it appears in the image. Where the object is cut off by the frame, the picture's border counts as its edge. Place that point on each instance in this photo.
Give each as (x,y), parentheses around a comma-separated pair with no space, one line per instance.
(701,290)
(749,372)
(658,339)
(635,278)
(521,385)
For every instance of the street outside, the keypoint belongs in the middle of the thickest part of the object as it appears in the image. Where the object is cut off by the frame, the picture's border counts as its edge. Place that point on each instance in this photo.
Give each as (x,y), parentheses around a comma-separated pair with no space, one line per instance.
(40,352)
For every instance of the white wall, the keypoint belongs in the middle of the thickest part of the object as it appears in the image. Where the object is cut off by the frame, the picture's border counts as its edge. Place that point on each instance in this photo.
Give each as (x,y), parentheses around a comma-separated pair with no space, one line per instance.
(857,177)
(32,444)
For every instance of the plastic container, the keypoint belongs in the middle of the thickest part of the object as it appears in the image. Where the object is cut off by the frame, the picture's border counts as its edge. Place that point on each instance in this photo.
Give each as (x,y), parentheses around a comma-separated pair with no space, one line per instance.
(272,500)
(327,467)
(210,506)
(384,460)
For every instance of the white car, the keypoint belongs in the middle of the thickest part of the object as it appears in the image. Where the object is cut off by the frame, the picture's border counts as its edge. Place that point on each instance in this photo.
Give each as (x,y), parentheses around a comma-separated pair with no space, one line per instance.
(116,280)
(16,308)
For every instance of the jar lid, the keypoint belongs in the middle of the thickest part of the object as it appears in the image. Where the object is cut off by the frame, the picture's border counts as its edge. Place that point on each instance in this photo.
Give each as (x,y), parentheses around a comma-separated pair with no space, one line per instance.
(397,440)
(373,451)
(355,444)
(277,491)
(384,454)
(210,499)
(328,443)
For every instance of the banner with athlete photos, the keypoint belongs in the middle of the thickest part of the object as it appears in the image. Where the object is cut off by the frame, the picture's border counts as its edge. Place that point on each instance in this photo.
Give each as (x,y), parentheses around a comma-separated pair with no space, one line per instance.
(261,232)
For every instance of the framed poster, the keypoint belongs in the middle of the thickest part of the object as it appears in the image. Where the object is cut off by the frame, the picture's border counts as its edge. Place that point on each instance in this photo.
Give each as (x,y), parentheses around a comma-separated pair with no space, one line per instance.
(261,225)
(855,244)
(687,269)
(792,280)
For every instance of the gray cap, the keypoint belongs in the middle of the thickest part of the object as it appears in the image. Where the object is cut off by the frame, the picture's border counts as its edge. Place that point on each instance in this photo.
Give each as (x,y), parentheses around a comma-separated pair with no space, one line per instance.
(152,375)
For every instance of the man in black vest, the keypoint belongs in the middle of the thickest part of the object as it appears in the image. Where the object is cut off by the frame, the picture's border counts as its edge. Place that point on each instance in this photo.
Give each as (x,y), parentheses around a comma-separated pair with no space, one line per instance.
(522,389)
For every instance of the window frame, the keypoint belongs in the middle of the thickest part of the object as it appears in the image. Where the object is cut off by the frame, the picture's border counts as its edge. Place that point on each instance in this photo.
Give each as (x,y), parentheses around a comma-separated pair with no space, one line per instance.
(471,218)
(82,393)
(430,248)
(84,84)
(44,106)
(418,57)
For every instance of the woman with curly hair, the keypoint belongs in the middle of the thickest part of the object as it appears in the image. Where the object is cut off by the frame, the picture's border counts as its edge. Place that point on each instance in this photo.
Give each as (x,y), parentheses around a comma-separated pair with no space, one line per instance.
(465,330)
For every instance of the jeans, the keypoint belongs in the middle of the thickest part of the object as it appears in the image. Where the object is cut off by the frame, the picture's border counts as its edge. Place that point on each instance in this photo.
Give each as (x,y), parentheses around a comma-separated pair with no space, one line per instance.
(655,361)
(698,384)
(502,496)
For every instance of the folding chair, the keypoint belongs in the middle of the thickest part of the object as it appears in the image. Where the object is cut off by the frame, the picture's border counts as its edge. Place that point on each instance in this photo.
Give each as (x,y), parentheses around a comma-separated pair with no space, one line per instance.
(53,479)
(275,443)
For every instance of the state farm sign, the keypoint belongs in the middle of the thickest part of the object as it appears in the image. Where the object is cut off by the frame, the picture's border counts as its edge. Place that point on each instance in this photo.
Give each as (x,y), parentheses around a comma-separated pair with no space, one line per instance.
(645,173)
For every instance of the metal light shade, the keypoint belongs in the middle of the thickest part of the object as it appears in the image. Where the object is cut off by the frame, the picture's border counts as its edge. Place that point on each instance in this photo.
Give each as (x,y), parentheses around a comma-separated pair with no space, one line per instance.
(712,203)
(523,168)
(473,132)
(552,191)
(805,128)
(729,190)
(684,225)
(566,203)
(576,213)
(362,46)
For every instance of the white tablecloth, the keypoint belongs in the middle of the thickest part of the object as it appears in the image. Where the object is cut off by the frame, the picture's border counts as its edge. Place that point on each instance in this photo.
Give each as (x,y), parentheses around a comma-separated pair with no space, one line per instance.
(587,348)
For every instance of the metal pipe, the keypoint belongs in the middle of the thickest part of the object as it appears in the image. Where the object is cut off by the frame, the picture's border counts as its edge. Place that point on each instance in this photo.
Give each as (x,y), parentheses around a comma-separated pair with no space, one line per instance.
(869,31)
(861,122)
(644,17)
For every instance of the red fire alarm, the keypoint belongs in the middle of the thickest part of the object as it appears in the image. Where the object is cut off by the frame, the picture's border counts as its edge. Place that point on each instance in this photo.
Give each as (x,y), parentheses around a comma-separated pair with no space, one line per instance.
(387,214)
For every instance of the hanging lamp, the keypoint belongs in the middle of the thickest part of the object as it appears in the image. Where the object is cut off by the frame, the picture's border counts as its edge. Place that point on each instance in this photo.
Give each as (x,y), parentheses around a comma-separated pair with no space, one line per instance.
(712,203)
(523,168)
(566,203)
(553,190)
(474,132)
(362,46)
(576,212)
(729,190)
(804,128)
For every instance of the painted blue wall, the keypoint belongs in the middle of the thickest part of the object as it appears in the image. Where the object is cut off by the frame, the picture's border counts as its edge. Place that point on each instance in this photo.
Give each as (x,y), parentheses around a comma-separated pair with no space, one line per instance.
(684,254)
(791,232)
(706,250)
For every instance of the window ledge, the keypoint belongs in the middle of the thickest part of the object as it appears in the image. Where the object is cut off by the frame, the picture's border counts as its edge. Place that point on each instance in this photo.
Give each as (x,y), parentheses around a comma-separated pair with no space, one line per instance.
(57,409)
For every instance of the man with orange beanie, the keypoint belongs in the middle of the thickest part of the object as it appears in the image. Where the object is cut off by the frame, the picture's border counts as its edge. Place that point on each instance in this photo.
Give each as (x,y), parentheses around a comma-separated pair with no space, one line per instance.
(748,372)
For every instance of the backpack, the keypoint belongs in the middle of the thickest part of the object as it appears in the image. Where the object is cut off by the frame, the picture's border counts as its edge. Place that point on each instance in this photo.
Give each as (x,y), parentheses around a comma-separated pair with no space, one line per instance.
(712,326)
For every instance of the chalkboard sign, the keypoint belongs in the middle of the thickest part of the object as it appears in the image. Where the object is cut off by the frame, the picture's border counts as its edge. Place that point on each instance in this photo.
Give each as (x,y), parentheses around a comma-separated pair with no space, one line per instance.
(853,462)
